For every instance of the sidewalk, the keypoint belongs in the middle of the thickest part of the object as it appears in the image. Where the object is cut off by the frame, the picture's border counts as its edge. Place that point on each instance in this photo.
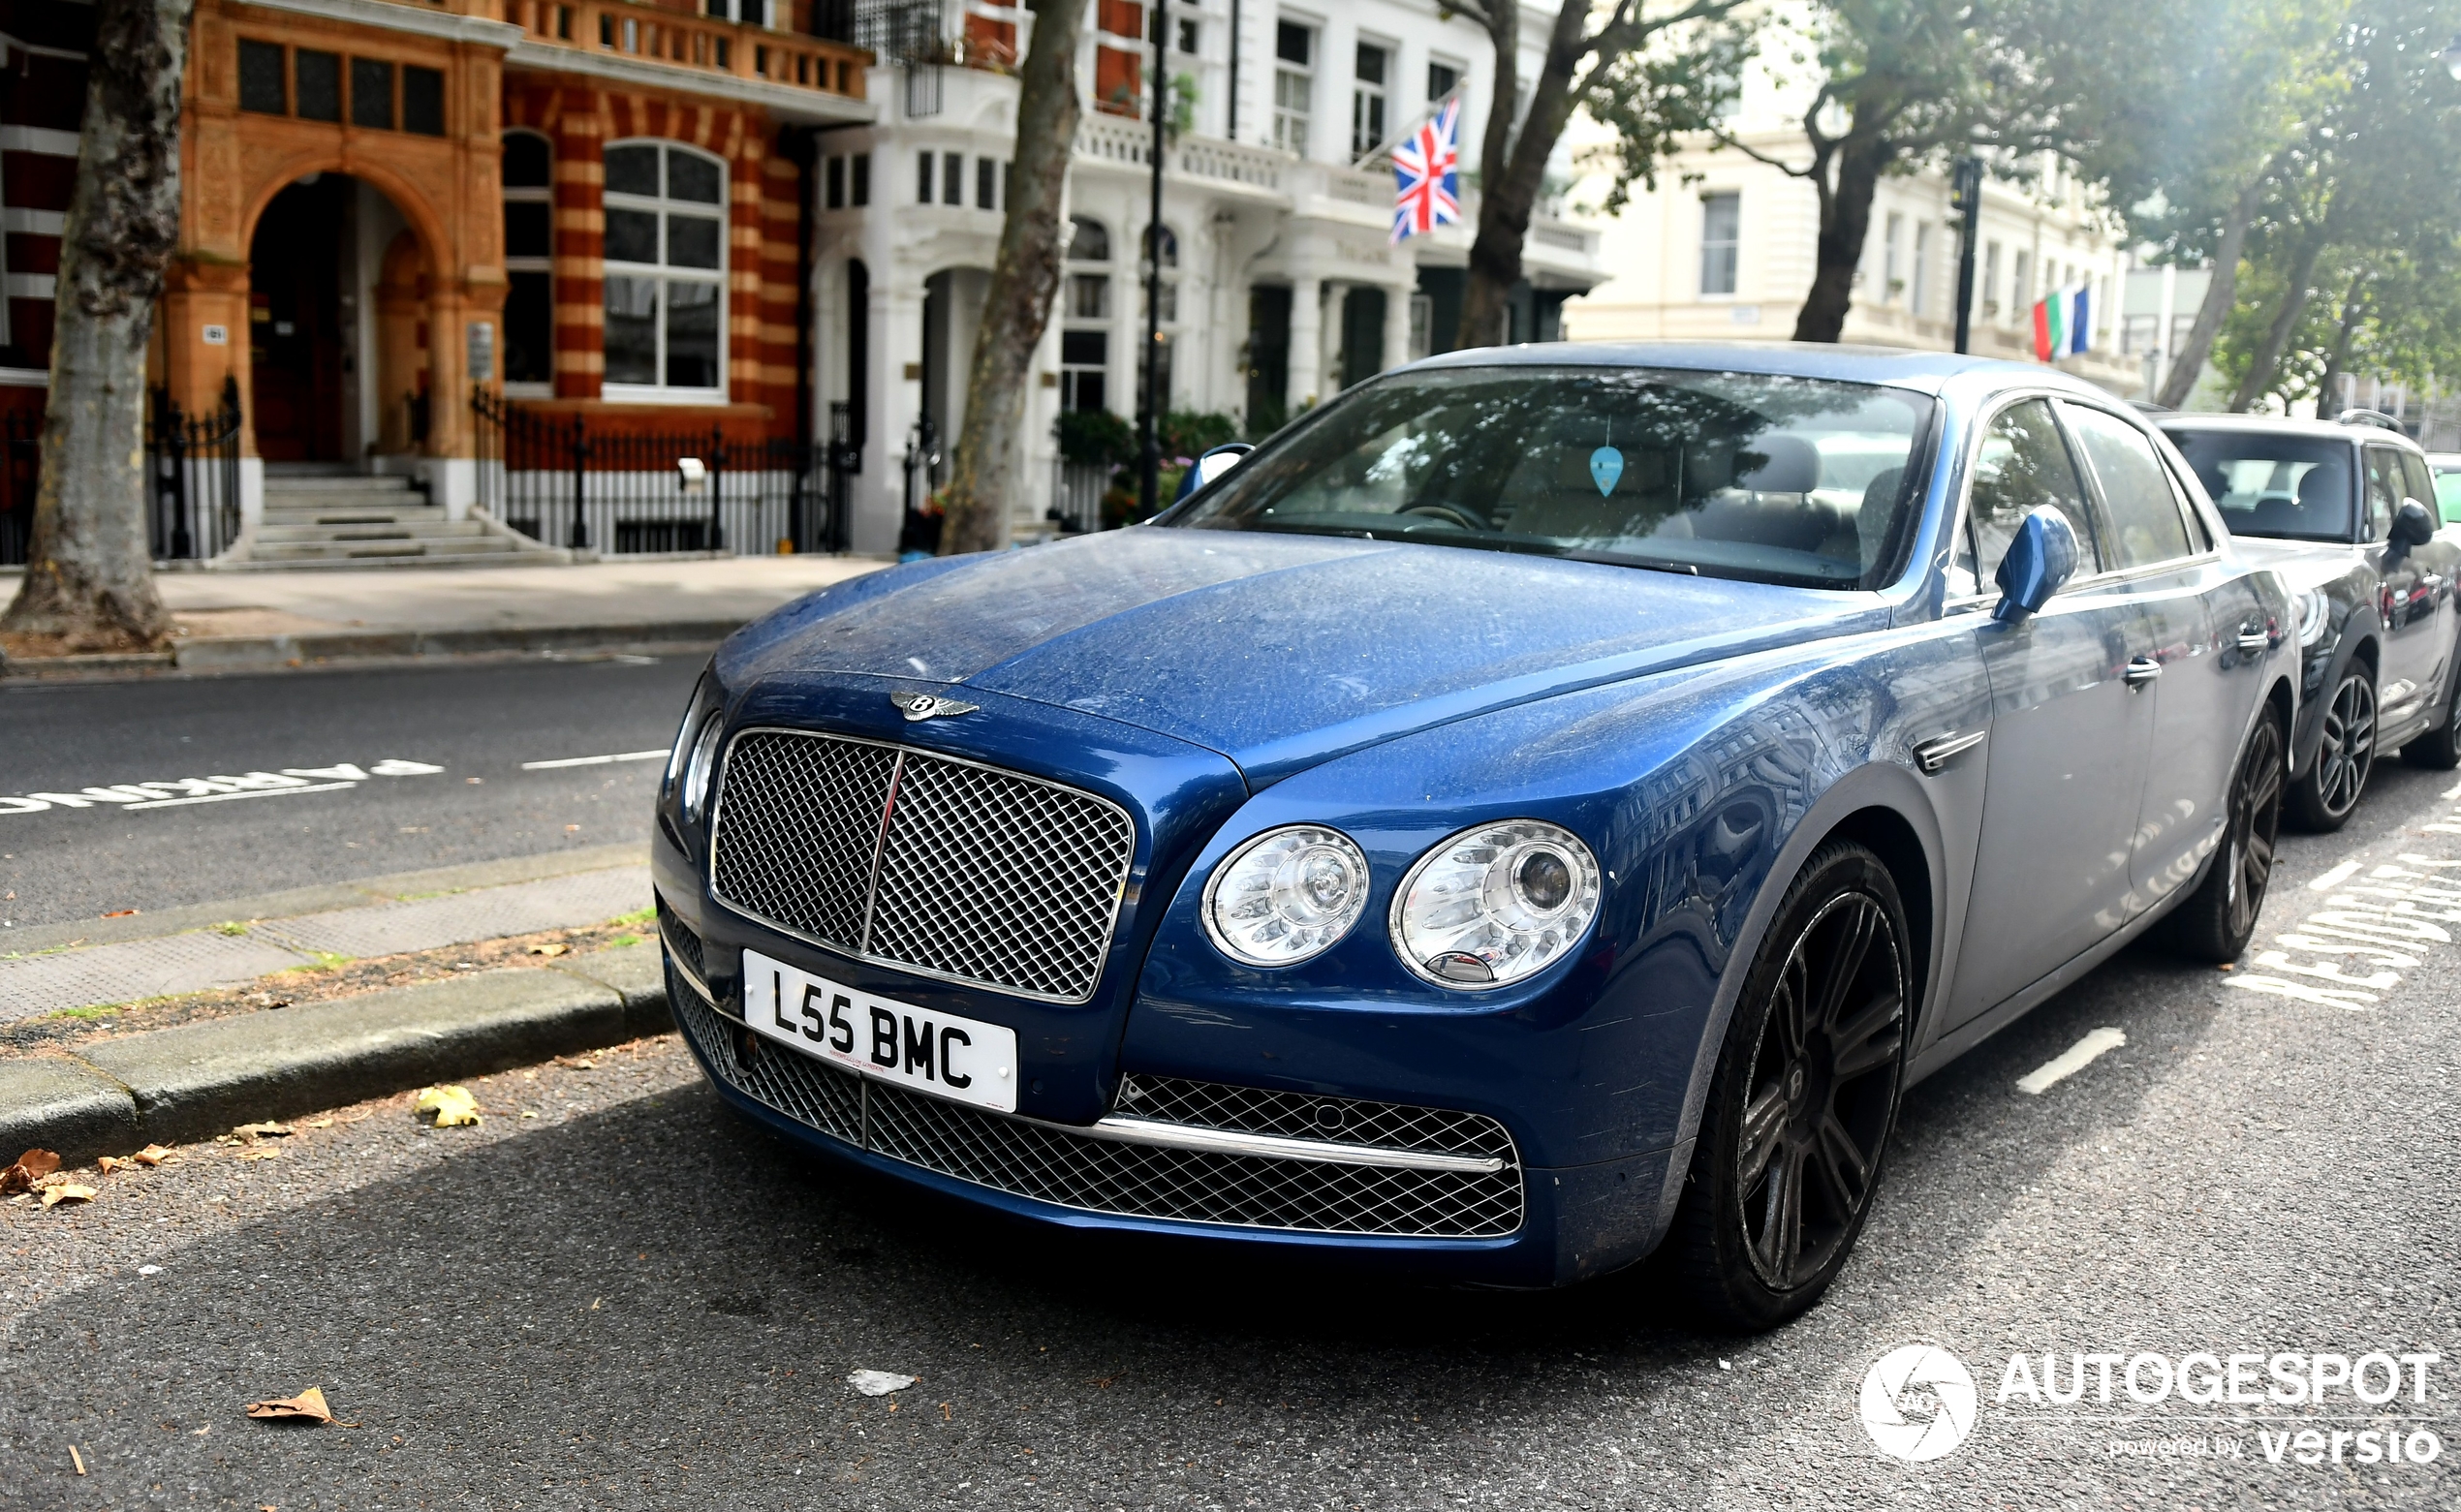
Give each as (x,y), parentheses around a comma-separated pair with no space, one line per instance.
(245,622)
(97,963)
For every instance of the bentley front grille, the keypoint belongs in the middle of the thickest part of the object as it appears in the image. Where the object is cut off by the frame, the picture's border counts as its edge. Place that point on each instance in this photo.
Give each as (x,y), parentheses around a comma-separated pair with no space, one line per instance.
(1324,1180)
(945,868)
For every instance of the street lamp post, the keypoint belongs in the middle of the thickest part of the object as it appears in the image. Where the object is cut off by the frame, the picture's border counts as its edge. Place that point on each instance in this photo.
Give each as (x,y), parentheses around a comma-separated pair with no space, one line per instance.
(1149,405)
(1965,196)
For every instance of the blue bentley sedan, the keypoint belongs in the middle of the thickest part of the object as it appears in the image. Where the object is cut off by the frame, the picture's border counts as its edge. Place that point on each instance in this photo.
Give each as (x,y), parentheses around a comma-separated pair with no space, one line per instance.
(1544,806)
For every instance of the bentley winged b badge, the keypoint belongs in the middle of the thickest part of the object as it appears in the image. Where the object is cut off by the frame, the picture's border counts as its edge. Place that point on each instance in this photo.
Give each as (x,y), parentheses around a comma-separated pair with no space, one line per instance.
(929,706)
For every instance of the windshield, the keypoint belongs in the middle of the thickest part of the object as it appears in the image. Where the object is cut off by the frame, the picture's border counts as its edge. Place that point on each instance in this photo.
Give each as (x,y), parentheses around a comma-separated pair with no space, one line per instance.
(2287,487)
(1775,479)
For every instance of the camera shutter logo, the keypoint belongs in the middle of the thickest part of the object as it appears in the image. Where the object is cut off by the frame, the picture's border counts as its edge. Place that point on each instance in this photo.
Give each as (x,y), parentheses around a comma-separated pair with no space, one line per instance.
(1918,1402)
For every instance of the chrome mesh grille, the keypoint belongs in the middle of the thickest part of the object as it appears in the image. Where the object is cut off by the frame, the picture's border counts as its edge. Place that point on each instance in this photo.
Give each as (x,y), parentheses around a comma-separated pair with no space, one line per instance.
(1251,1110)
(1054,1164)
(976,875)
(681,940)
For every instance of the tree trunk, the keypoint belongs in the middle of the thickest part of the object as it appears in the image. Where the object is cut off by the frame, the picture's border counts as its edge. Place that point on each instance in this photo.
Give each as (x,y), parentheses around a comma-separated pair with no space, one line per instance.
(2277,336)
(90,583)
(2219,296)
(1512,167)
(988,468)
(2346,332)
(1845,221)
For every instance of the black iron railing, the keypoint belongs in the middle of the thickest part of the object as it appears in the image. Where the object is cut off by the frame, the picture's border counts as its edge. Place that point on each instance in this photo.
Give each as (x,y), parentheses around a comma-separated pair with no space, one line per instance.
(192,478)
(559,479)
(192,473)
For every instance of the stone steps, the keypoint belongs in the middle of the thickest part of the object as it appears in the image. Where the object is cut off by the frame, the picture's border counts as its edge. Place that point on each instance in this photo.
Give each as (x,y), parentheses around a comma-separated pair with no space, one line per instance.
(316,518)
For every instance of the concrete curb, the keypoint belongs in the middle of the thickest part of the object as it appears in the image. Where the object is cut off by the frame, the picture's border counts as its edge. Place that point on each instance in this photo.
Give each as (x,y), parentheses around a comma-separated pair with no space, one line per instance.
(224,655)
(184,1084)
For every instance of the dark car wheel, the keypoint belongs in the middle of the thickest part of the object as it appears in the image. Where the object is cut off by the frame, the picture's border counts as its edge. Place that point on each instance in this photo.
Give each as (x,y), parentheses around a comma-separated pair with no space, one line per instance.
(2323,799)
(2438,750)
(2216,921)
(1798,1119)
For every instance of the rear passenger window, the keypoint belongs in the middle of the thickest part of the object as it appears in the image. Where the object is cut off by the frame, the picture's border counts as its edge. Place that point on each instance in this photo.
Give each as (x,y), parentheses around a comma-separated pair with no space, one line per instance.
(2146,524)
(2415,483)
(2023,465)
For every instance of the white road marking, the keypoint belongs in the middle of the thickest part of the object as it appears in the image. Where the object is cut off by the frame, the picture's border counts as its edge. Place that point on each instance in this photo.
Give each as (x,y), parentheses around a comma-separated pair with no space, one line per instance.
(2075,1058)
(2334,877)
(659,754)
(2453,791)
(226,797)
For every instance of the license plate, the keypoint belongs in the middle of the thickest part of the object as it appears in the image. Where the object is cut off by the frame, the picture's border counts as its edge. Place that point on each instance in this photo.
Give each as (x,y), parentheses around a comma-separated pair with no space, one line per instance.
(961,1059)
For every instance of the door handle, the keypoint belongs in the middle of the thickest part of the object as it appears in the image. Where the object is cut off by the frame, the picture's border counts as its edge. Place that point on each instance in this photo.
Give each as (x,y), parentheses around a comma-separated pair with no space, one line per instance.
(2253,638)
(2142,671)
(1933,755)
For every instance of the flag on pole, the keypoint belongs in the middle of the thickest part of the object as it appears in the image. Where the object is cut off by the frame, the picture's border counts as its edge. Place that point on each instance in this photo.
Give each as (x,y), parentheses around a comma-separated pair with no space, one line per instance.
(1427,187)
(2062,323)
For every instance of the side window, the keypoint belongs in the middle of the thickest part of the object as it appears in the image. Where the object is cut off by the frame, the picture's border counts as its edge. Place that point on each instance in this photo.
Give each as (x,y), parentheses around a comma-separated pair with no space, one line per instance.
(2384,489)
(2415,483)
(2023,465)
(2146,524)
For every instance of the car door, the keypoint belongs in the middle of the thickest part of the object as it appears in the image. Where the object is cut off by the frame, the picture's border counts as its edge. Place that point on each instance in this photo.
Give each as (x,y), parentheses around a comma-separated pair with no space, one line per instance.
(2406,601)
(2436,565)
(2070,737)
(2210,637)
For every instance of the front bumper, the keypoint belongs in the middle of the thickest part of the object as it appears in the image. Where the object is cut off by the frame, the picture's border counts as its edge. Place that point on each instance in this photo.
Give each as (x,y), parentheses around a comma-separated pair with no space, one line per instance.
(1503,1224)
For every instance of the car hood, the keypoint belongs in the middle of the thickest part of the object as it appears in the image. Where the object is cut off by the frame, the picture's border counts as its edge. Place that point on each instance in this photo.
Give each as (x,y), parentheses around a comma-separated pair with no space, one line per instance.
(1280,651)
(2301,563)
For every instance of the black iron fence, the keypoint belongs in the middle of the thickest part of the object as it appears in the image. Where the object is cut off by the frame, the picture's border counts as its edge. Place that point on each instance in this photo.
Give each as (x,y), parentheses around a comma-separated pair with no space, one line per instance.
(559,479)
(192,478)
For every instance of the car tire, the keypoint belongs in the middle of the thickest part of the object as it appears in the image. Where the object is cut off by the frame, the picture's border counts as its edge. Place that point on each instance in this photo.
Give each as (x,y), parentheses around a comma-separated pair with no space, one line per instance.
(2214,924)
(2322,801)
(2438,750)
(1793,1139)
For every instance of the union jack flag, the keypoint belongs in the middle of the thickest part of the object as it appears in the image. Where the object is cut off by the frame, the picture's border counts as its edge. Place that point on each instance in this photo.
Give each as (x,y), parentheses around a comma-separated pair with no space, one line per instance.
(1427,187)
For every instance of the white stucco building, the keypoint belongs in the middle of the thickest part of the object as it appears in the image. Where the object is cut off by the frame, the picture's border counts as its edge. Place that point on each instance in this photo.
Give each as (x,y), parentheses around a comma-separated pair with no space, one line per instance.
(1724,249)
(1281,284)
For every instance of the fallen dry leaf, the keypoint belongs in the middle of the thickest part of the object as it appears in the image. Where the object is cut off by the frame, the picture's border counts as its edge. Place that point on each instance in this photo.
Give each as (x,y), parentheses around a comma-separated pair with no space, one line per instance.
(557,948)
(318,1123)
(121,913)
(22,1172)
(252,1132)
(452,1106)
(66,1192)
(112,1162)
(308,1406)
(152,1154)
(27,1169)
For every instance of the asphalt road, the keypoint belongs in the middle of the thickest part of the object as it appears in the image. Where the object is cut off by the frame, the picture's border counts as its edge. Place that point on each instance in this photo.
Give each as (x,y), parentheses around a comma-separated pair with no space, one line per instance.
(476,724)
(635,1301)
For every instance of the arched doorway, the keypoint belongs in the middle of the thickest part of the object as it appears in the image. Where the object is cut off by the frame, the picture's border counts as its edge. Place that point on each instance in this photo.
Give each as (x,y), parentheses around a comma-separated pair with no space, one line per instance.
(338,290)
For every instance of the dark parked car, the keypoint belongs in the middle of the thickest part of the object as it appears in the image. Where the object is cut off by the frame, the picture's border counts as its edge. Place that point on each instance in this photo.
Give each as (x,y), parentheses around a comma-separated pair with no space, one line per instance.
(1543,804)
(2347,515)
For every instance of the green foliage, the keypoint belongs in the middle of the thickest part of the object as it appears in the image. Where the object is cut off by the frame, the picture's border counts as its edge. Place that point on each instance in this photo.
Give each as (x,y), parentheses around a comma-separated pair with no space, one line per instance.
(1654,97)
(1191,433)
(1093,437)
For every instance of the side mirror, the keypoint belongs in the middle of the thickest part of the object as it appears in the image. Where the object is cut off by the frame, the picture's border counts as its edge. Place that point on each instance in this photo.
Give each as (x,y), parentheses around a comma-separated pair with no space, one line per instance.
(2411,526)
(2040,562)
(1210,466)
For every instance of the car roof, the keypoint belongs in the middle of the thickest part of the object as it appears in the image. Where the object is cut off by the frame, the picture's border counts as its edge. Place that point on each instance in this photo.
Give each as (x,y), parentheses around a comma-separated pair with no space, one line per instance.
(2286,425)
(1902,366)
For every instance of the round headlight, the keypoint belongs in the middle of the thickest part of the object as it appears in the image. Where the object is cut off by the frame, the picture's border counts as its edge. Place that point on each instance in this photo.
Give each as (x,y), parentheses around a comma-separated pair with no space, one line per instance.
(682,747)
(1494,904)
(1286,895)
(702,766)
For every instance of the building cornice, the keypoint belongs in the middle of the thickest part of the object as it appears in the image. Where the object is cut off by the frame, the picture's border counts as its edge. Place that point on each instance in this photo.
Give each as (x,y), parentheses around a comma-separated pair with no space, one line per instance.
(389,16)
(779,100)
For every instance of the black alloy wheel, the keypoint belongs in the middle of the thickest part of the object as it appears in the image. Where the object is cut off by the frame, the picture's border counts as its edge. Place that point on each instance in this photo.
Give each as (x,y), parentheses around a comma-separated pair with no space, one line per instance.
(2215,922)
(1791,1145)
(2323,799)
